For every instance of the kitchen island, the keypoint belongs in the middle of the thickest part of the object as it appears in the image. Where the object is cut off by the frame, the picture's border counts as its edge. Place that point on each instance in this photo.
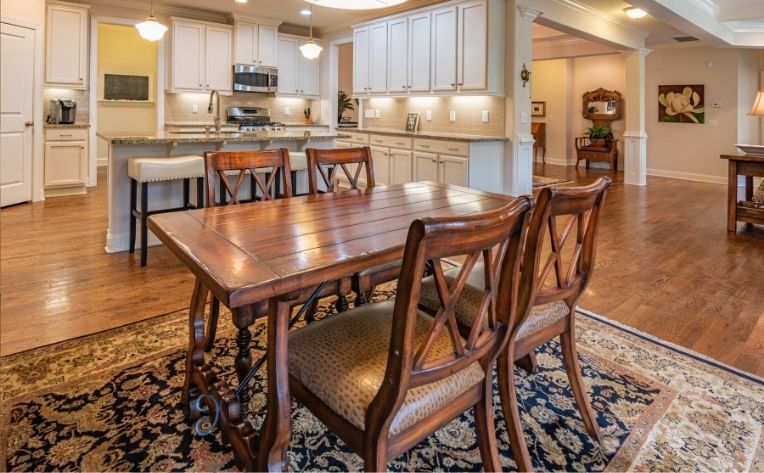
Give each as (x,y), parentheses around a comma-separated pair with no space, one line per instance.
(168,144)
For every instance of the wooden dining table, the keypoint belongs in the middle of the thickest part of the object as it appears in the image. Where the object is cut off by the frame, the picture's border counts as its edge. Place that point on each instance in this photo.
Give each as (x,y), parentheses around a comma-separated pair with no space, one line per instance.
(264,255)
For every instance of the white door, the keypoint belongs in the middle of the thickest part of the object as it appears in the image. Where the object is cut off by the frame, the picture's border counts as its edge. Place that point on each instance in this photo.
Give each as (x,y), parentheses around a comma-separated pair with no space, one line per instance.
(361,61)
(66,49)
(219,59)
(288,66)
(65,163)
(425,167)
(397,67)
(246,43)
(444,49)
(309,76)
(419,53)
(16,99)
(473,37)
(378,58)
(266,46)
(400,166)
(453,170)
(188,56)
(381,159)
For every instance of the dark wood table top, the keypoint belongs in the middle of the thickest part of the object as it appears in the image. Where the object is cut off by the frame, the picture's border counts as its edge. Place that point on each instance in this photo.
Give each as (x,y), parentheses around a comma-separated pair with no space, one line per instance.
(740,156)
(251,252)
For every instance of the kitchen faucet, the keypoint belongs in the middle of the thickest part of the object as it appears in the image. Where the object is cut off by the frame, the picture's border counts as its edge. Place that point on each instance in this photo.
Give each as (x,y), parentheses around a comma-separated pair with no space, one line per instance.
(216,118)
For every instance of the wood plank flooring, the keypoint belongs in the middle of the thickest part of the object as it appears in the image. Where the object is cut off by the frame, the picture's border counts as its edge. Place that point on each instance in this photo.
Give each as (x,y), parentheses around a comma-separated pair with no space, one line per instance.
(665,265)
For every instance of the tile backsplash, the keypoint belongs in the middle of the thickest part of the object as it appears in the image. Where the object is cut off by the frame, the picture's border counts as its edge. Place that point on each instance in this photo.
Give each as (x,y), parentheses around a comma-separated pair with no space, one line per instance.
(179,107)
(393,113)
(79,96)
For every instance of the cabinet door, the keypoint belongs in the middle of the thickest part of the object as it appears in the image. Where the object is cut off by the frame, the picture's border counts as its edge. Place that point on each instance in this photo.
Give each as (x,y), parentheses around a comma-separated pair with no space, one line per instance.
(246,43)
(381,159)
(419,53)
(288,66)
(65,163)
(267,46)
(453,170)
(361,61)
(473,37)
(187,56)
(66,54)
(309,76)
(444,41)
(425,167)
(397,66)
(218,59)
(400,166)
(378,58)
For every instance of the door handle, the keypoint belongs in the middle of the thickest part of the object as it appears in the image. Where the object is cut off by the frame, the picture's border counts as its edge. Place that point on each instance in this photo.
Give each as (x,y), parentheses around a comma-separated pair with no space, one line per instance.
(28,124)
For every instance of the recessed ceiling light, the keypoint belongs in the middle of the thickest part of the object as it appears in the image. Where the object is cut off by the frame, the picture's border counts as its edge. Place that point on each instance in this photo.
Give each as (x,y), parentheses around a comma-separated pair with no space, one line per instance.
(241,1)
(632,12)
(356,4)
(305,12)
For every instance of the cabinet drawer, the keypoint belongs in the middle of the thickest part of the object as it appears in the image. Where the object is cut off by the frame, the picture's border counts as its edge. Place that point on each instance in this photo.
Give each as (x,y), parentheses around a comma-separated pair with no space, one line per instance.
(456,148)
(356,138)
(66,134)
(402,142)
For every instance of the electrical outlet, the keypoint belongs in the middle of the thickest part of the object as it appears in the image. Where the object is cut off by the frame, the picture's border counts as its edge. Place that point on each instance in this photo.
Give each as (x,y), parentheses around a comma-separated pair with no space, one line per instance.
(428,115)
(525,117)
(195,108)
(368,113)
(287,111)
(484,116)
(376,113)
(452,115)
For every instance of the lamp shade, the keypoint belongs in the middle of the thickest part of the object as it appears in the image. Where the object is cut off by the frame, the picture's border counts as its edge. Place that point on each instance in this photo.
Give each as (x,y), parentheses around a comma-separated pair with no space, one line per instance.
(758,105)
(356,4)
(151,29)
(310,49)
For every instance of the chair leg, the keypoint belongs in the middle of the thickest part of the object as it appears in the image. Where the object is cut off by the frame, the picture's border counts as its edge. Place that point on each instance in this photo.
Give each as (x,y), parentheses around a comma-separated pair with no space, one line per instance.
(511,411)
(375,456)
(212,324)
(528,362)
(144,227)
(484,427)
(133,209)
(572,368)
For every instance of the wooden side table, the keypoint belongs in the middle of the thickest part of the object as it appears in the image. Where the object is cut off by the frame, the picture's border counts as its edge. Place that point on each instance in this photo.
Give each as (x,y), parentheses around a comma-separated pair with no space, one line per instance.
(749,166)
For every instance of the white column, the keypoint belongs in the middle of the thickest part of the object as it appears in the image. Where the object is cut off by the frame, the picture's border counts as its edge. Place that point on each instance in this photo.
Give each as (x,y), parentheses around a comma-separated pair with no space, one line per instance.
(635,137)
(518,155)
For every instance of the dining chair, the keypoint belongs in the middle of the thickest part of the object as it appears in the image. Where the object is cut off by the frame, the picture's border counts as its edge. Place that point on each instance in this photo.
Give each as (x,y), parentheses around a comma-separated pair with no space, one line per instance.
(561,215)
(383,376)
(351,162)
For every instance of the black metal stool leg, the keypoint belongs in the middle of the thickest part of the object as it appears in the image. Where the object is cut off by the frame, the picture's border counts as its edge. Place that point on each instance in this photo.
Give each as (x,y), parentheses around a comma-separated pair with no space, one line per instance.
(144,216)
(294,183)
(277,191)
(222,191)
(199,192)
(186,192)
(133,202)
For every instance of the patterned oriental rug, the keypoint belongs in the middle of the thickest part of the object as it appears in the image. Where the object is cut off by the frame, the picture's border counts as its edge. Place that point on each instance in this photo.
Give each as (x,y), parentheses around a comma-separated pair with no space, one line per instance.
(541,181)
(110,402)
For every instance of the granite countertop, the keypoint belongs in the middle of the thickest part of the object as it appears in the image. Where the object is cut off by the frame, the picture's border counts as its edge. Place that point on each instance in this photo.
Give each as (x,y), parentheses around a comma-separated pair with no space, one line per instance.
(67,125)
(186,137)
(425,134)
(202,124)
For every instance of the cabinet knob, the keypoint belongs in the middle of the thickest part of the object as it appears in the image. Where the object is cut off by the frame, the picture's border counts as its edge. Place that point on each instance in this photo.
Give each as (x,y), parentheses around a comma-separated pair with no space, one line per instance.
(453,85)
(461,84)
(433,160)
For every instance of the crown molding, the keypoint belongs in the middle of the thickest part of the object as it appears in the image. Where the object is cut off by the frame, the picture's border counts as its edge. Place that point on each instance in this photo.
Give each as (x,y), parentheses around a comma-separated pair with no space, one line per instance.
(167,10)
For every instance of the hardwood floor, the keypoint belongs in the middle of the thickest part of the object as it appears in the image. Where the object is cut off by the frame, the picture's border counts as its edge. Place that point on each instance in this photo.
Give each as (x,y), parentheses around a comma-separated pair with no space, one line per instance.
(665,265)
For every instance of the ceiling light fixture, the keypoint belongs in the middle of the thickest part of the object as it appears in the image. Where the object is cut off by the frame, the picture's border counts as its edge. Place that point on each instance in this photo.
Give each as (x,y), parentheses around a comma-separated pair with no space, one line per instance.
(241,1)
(356,4)
(311,50)
(305,12)
(633,12)
(151,29)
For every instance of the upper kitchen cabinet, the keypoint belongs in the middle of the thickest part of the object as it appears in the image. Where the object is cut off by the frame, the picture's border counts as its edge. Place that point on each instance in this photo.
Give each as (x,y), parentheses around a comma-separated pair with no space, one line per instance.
(298,75)
(472,48)
(256,42)
(444,49)
(66,52)
(201,57)
(370,59)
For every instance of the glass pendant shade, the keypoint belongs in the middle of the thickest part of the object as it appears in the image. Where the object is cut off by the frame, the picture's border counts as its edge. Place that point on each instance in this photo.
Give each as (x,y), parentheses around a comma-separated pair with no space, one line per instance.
(356,4)
(151,29)
(311,50)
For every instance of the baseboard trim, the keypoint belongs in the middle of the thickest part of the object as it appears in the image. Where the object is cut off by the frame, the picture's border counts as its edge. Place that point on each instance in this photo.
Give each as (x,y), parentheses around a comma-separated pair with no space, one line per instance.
(556,161)
(687,176)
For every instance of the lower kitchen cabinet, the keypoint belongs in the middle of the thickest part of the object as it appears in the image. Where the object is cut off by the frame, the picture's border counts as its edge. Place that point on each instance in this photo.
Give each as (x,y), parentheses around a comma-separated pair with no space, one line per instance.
(66,162)
(441,168)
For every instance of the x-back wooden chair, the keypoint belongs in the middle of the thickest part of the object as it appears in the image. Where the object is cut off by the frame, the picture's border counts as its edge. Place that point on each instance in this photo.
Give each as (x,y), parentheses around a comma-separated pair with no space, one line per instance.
(385,375)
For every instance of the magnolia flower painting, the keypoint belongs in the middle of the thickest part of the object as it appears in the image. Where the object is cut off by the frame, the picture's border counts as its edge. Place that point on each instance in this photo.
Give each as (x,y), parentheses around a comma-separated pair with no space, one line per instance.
(681,104)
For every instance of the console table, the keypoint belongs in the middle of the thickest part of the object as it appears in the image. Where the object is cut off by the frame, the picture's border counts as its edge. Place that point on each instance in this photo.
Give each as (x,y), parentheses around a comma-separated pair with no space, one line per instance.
(749,166)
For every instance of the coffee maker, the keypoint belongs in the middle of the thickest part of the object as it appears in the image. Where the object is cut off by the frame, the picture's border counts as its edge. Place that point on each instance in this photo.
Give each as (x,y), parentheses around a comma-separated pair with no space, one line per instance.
(63,111)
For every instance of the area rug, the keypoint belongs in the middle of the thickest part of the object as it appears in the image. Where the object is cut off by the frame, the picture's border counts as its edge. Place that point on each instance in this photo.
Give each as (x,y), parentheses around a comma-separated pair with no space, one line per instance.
(110,402)
(541,181)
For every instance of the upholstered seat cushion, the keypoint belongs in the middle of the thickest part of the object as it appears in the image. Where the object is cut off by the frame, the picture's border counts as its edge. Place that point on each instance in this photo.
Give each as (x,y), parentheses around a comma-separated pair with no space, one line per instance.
(147,169)
(342,361)
(466,307)
(382,267)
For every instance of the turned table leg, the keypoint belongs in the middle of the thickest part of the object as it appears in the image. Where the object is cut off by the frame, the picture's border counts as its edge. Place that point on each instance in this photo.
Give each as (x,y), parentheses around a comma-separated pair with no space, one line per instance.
(195,354)
(243,318)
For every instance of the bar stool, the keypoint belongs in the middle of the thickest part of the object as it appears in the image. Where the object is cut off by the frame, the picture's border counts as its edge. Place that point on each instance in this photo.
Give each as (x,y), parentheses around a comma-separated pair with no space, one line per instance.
(144,170)
(299,163)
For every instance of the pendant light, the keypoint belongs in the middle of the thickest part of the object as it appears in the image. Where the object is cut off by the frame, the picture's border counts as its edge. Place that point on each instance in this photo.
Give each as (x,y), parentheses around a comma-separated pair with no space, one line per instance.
(356,4)
(151,29)
(311,50)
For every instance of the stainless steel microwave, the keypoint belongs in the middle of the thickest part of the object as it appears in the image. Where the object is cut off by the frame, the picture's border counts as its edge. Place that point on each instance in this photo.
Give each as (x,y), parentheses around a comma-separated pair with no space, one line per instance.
(248,78)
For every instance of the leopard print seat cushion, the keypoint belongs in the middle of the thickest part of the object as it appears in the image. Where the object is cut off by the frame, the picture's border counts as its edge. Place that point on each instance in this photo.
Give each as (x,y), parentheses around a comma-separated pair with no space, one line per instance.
(342,360)
(466,307)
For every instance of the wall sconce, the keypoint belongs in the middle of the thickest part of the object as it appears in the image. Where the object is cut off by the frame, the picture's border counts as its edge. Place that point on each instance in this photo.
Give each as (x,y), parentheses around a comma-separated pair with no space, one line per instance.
(525,75)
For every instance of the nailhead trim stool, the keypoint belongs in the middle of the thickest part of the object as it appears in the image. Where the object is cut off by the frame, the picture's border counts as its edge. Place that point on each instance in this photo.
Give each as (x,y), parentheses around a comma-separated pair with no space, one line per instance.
(144,170)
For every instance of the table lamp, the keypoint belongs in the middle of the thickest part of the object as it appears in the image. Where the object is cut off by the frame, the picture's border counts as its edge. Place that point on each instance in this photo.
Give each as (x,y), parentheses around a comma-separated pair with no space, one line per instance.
(757,110)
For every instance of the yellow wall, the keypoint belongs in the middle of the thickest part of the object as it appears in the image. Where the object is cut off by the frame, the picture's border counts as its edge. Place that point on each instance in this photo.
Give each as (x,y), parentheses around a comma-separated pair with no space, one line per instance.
(121,49)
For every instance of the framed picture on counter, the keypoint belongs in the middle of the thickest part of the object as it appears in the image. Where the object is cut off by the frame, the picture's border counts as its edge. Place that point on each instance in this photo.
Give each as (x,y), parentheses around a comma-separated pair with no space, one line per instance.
(412,122)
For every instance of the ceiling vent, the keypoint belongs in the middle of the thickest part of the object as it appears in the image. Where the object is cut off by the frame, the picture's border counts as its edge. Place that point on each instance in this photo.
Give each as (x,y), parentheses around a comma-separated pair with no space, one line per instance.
(685,39)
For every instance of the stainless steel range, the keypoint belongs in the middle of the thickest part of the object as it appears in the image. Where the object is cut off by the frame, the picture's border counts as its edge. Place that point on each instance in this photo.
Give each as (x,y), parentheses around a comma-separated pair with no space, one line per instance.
(252,119)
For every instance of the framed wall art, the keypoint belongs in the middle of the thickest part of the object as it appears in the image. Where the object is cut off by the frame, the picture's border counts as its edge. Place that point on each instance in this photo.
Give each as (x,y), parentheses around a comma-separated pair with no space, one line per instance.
(681,104)
(538,109)
(412,122)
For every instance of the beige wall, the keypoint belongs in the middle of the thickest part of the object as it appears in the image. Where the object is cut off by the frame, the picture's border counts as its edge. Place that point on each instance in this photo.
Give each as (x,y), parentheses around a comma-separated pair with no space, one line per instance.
(179,107)
(32,11)
(345,76)
(393,112)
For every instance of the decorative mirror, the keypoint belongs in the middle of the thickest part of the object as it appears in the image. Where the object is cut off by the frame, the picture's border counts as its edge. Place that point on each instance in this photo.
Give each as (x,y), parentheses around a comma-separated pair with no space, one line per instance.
(602,106)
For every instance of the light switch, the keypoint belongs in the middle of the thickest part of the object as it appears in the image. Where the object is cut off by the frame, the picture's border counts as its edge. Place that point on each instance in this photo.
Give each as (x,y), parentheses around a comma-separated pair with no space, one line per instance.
(376,113)
(452,115)
(428,115)
(287,112)
(368,113)
(195,108)
(484,116)
(525,117)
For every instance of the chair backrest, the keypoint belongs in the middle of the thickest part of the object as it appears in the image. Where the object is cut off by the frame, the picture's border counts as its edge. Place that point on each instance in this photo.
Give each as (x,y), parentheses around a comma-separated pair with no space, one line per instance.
(255,163)
(568,218)
(411,362)
(327,162)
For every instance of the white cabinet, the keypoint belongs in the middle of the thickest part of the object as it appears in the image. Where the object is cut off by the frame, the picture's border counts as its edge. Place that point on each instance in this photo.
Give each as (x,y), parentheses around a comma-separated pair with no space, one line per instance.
(419,53)
(66,51)
(256,44)
(361,61)
(397,65)
(370,59)
(201,57)
(66,161)
(472,47)
(444,46)
(381,159)
(436,166)
(400,166)
(425,166)
(298,75)
(453,170)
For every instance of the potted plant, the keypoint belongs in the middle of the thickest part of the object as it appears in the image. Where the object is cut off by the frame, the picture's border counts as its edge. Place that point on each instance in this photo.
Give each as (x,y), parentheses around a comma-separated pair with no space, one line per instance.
(599,135)
(344,102)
